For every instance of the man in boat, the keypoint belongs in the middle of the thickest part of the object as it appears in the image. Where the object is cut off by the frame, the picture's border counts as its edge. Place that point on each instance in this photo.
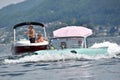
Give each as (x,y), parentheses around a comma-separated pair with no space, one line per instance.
(31,34)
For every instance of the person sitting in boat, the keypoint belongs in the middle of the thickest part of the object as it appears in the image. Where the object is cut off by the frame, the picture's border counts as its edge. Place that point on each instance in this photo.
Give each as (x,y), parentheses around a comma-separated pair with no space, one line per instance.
(63,45)
(31,34)
(40,38)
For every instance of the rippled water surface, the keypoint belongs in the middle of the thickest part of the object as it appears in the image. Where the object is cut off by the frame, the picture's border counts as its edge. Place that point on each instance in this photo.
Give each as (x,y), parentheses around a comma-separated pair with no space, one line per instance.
(84,67)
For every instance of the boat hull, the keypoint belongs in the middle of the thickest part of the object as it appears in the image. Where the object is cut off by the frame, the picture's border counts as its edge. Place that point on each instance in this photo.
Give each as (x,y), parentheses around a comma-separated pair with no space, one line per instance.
(25,49)
(83,51)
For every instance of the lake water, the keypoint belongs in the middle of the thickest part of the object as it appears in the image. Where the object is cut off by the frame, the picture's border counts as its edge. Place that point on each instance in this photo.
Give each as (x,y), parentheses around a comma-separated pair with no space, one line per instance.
(77,67)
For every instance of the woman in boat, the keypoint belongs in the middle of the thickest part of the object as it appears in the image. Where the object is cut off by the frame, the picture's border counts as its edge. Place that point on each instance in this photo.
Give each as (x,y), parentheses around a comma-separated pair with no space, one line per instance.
(40,38)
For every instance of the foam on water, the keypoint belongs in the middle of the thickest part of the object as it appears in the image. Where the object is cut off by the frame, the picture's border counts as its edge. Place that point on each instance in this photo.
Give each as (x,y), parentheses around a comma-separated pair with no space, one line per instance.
(113,50)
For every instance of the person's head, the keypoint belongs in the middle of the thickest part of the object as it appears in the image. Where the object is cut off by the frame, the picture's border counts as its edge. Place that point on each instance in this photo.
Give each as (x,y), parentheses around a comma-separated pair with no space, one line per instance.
(30,27)
(39,35)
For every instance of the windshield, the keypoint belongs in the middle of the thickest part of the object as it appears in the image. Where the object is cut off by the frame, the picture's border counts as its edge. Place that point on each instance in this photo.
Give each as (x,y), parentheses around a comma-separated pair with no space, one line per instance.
(20,32)
(60,43)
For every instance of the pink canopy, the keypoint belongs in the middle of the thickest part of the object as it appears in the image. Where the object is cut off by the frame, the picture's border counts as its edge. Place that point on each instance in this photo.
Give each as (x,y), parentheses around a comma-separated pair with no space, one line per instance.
(71,31)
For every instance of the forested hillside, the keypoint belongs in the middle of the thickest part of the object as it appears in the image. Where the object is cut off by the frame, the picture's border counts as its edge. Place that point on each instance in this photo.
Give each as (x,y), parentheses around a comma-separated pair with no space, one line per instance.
(72,12)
